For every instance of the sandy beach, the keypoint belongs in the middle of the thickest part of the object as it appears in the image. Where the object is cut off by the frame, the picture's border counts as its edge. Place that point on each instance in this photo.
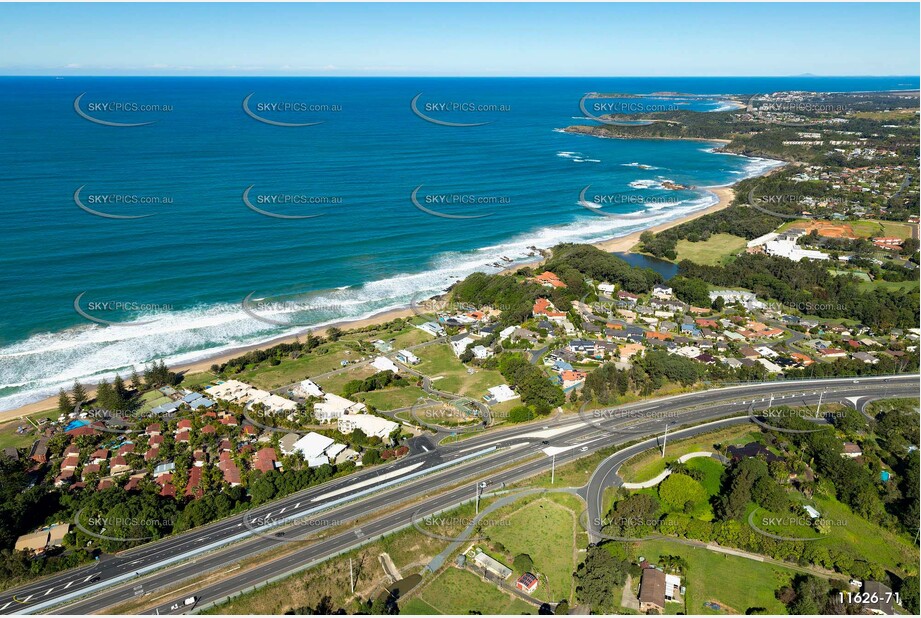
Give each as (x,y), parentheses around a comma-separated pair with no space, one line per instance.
(621,244)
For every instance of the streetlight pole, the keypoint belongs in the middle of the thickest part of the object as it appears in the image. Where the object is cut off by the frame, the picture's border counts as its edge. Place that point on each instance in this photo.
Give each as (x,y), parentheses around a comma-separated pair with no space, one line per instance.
(664,440)
(552,468)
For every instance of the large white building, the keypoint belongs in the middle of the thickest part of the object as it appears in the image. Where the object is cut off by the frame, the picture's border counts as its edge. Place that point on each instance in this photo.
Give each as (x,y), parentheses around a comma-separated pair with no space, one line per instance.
(313,445)
(382,363)
(502,393)
(334,407)
(367,423)
(240,392)
(790,250)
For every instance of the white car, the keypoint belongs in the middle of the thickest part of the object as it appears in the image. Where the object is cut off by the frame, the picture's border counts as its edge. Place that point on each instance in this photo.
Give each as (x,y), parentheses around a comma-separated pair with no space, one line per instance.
(190,601)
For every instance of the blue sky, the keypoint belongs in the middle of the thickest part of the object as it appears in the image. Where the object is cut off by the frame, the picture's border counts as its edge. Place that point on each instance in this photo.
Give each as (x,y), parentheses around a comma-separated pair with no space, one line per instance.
(460,39)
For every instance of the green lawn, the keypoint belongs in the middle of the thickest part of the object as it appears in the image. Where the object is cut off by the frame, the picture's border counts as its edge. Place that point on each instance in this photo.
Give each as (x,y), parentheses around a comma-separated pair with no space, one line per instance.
(735,583)
(439,361)
(455,591)
(879,284)
(545,530)
(418,607)
(712,470)
(325,358)
(9,437)
(713,251)
(392,398)
(335,382)
(648,464)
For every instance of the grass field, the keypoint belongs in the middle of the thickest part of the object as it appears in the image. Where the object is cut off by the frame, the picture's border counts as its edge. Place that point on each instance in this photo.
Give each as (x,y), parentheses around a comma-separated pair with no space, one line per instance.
(879,284)
(735,583)
(846,531)
(455,591)
(553,550)
(712,471)
(392,398)
(439,361)
(418,607)
(649,463)
(712,251)
(9,437)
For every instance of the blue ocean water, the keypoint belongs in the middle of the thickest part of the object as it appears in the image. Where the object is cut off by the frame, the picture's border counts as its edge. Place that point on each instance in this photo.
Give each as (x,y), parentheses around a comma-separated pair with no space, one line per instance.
(174,281)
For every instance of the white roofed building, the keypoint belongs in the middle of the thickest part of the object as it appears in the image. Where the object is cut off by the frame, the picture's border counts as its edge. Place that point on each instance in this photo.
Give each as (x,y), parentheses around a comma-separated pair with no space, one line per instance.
(501,393)
(333,407)
(370,425)
(313,445)
(382,363)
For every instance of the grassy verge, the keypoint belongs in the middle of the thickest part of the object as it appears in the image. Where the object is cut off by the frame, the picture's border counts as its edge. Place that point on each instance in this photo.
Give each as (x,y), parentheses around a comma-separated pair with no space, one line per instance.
(710,252)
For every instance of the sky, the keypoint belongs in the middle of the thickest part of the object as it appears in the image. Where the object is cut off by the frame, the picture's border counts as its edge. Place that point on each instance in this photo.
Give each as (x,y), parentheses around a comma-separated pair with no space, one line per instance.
(637,39)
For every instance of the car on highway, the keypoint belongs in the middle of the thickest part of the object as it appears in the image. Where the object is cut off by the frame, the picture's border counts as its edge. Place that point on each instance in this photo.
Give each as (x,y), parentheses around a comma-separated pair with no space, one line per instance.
(583,449)
(190,601)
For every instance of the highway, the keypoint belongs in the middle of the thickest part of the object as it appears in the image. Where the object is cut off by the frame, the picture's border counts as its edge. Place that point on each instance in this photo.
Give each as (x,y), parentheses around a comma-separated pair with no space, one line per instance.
(212,547)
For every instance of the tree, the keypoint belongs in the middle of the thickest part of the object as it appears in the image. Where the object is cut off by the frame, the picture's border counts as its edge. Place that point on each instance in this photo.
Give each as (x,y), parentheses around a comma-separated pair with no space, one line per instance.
(523,563)
(718,303)
(65,405)
(682,493)
(598,576)
(562,608)
(78,394)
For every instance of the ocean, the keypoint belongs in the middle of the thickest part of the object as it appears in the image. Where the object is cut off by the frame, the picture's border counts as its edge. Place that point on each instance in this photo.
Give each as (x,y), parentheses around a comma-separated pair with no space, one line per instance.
(127,244)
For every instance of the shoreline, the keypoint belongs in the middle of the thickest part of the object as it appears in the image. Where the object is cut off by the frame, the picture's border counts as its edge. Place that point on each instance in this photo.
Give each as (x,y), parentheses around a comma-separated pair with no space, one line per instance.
(619,244)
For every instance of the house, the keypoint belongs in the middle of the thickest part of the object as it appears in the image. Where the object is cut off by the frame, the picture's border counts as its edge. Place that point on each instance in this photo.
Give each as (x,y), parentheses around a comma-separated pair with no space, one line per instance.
(39,451)
(500,394)
(460,343)
(369,424)
(572,378)
(548,280)
(543,307)
(833,353)
(527,583)
(752,449)
(627,297)
(119,465)
(433,328)
(582,346)
(308,388)
(408,358)
(334,407)
(506,332)
(481,352)
(663,292)
(851,450)
(287,442)
(154,429)
(877,598)
(486,562)
(193,488)
(382,363)
(866,358)
(266,459)
(606,288)
(312,445)
(652,591)
(629,350)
